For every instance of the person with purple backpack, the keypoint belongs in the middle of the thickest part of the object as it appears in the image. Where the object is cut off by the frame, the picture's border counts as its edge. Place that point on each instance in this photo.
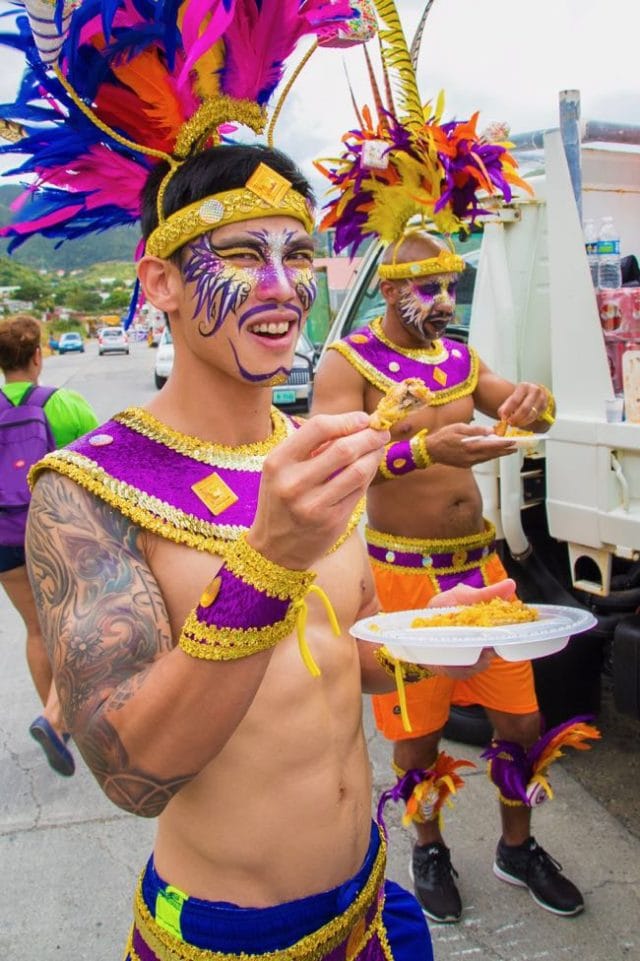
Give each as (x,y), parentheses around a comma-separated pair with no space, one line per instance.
(33,420)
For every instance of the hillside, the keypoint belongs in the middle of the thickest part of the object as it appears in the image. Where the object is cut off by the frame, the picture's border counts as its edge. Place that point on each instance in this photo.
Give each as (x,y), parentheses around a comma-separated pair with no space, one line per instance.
(116,244)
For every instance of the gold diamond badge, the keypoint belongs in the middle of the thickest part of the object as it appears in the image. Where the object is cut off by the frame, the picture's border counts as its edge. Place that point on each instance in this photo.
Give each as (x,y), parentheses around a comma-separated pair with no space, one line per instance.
(439,376)
(214,493)
(268,185)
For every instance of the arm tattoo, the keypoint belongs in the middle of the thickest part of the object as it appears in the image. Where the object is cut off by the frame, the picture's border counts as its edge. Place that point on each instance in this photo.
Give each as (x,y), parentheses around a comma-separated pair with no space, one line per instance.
(104,622)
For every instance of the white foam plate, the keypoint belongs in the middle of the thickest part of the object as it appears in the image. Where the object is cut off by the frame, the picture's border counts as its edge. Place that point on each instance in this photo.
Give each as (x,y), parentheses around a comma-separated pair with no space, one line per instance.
(529,440)
(451,646)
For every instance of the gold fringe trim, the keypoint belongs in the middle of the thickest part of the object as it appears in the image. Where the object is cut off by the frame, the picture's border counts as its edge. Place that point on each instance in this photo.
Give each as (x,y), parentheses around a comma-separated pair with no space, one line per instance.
(384,383)
(246,457)
(313,947)
(252,567)
(419,545)
(155,515)
(145,511)
(212,643)
(437,354)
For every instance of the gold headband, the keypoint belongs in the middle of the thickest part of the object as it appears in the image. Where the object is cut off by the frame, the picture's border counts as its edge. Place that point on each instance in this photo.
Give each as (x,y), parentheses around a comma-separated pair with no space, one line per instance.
(266,194)
(444,263)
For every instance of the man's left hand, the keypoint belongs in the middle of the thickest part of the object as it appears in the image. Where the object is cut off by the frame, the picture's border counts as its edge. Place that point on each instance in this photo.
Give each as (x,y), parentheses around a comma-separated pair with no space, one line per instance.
(525,405)
(463,594)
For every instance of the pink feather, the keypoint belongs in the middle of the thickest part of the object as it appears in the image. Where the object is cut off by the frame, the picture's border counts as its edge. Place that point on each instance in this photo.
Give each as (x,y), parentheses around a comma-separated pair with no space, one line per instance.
(197,40)
(29,226)
(109,177)
(259,41)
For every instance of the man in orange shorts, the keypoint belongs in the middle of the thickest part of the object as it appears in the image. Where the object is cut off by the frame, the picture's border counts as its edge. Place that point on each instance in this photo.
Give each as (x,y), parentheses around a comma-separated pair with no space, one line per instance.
(427,533)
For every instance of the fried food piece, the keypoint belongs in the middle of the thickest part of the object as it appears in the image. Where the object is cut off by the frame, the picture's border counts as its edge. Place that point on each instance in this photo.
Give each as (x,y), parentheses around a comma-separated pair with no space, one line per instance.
(504,429)
(482,614)
(402,400)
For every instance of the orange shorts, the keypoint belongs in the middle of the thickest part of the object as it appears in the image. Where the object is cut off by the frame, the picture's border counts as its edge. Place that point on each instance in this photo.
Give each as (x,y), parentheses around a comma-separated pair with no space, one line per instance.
(505,686)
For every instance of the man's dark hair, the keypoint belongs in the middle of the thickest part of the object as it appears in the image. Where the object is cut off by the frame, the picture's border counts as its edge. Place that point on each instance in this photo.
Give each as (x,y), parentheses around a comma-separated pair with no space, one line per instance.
(213,171)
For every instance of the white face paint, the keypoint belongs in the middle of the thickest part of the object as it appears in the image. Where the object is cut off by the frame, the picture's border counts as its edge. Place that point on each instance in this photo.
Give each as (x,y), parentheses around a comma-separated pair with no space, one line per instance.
(255,287)
(426,306)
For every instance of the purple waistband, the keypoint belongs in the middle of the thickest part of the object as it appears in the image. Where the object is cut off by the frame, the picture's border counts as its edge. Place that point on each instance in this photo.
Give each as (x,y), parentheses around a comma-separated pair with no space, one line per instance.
(437,561)
(417,555)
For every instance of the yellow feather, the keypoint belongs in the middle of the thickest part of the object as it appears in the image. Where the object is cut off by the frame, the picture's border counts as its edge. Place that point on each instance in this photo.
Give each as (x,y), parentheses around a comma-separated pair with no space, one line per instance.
(207,69)
(397,58)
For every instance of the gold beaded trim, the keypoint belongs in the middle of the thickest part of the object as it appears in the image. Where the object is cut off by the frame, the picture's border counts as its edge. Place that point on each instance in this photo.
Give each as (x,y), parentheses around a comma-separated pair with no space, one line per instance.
(313,947)
(411,673)
(146,511)
(436,354)
(420,545)
(151,513)
(246,457)
(384,383)
(421,455)
(218,210)
(211,643)
(444,263)
(254,568)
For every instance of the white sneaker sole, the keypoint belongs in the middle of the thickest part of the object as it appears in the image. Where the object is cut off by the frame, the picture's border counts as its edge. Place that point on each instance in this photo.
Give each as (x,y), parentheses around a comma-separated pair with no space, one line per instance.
(510,879)
(451,919)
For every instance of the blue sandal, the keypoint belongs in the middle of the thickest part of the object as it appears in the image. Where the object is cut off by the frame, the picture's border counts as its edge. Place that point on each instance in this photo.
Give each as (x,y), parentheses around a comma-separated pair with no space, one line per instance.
(58,756)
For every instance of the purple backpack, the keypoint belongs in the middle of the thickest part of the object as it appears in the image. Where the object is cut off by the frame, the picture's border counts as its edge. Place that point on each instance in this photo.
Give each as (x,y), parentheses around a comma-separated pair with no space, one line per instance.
(25,437)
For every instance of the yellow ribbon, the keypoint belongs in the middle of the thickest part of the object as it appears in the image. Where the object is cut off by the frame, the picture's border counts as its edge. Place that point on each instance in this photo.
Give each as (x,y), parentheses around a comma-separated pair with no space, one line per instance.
(402,696)
(301,623)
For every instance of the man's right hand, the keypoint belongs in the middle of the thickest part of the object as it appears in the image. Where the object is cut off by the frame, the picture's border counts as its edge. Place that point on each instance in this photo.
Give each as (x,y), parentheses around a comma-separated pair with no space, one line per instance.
(451,445)
(311,484)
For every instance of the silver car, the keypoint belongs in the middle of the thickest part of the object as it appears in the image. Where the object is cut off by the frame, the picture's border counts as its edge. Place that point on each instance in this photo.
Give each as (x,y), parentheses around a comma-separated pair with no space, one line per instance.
(113,340)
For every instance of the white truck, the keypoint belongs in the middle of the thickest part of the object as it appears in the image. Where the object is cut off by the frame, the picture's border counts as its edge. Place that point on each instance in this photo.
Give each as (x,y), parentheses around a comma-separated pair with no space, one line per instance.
(568,516)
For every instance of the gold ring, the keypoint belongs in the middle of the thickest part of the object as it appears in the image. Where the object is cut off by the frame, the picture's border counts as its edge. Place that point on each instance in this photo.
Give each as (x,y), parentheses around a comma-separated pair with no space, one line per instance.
(534,410)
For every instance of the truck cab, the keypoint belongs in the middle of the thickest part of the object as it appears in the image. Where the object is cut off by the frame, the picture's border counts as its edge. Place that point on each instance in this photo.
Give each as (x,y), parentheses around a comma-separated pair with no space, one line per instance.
(567,515)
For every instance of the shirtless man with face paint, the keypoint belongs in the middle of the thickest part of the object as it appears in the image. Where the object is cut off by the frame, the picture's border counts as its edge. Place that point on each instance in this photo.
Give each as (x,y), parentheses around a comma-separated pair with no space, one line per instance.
(426,532)
(197,567)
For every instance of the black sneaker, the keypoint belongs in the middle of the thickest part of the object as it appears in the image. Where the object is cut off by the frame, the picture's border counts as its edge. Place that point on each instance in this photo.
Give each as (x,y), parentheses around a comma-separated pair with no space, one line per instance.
(529,866)
(432,874)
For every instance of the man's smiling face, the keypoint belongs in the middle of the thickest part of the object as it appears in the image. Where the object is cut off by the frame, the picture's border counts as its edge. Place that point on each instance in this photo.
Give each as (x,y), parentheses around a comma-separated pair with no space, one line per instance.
(251,286)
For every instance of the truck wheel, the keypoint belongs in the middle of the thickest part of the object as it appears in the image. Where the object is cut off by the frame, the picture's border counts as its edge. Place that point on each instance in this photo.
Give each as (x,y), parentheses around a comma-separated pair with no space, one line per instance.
(626,666)
(468,725)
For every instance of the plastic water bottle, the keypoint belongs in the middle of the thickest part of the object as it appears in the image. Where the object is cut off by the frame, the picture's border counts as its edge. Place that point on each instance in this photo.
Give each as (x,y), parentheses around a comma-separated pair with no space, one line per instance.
(609,272)
(591,247)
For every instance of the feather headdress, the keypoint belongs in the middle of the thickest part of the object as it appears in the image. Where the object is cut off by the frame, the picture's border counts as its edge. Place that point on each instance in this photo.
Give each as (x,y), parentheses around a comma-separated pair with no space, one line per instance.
(112,87)
(406,161)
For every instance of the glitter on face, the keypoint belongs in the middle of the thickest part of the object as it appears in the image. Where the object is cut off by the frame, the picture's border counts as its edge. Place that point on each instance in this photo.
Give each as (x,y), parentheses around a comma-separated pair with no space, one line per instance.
(274,269)
(431,302)
(220,288)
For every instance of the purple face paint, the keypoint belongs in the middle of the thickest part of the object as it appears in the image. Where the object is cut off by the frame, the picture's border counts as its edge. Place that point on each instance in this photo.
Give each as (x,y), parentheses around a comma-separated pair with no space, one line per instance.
(268,271)
(220,288)
(431,303)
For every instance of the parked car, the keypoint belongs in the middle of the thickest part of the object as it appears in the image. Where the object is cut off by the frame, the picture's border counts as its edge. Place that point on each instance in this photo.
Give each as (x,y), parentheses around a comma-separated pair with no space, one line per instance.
(164,358)
(113,340)
(70,342)
(294,396)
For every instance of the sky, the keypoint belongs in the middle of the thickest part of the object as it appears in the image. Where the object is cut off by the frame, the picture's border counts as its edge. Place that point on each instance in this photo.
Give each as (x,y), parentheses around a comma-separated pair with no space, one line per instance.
(505,58)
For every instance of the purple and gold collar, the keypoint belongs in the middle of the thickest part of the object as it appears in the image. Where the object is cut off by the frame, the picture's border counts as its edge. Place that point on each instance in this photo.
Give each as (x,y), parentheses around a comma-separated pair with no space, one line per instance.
(449,369)
(179,487)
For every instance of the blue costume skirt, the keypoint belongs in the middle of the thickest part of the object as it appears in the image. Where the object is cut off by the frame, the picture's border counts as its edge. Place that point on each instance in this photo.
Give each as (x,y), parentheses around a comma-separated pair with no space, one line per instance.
(364,919)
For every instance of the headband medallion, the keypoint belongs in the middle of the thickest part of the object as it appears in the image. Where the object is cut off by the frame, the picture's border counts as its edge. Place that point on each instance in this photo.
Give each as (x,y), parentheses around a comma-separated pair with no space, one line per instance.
(265,194)
(444,263)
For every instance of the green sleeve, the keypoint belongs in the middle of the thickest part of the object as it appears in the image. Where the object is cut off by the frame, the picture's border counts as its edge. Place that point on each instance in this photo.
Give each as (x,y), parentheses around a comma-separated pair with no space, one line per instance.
(69,415)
